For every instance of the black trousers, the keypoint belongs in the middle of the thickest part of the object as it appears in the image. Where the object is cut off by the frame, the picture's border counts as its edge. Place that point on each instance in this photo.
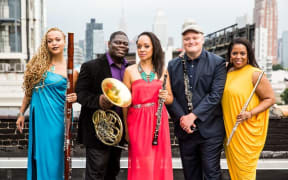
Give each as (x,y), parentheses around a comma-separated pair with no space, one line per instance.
(102,164)
(201,157)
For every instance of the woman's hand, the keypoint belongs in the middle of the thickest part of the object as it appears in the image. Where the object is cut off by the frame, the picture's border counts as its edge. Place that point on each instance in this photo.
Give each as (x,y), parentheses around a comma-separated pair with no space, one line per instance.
(20,123)
(71,98)
(244,116)
(163,94)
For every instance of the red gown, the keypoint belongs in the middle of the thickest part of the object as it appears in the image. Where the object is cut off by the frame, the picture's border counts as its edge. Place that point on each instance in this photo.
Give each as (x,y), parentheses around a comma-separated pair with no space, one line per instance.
(148,162)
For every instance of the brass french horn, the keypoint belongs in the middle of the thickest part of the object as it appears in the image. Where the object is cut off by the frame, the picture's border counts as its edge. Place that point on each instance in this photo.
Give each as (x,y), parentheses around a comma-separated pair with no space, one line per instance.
(108,125)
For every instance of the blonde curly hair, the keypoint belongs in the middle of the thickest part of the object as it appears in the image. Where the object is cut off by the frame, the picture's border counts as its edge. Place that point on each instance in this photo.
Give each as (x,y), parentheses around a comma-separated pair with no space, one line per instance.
(38,65)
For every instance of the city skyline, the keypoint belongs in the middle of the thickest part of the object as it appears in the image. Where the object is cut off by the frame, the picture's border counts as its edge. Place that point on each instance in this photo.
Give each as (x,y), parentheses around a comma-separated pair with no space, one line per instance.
(211,15)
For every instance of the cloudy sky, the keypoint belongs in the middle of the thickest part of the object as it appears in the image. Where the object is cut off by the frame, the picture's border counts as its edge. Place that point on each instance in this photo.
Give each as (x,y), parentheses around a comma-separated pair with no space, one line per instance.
(212,15)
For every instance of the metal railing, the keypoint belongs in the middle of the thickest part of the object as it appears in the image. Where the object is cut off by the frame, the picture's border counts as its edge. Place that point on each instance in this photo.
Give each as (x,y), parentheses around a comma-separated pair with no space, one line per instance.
(80,162)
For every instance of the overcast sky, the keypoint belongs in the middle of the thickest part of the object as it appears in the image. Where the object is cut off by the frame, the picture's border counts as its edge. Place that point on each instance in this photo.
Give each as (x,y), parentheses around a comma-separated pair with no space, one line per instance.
(212,15)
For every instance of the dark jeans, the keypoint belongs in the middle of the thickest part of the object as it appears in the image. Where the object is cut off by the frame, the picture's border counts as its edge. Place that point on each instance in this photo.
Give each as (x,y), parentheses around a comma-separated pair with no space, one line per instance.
(201,157)
(102,164)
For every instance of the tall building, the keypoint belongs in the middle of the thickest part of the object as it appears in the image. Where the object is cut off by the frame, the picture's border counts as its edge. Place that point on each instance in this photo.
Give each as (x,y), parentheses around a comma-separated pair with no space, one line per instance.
(160,28)
(122,23)
(132,45)
(99,43)
(279,53)
(22,25)
(78,57)
(170,42)
(266,23)
(90,27)
(242,21)
(81,44)
(261,52)
(284,55)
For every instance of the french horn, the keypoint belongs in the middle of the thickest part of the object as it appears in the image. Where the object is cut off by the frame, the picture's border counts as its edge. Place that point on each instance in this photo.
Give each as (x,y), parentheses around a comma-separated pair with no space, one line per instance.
(108,125)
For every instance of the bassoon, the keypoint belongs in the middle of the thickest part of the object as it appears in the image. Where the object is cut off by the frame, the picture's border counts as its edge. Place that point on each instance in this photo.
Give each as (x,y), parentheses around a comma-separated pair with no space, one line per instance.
(159,113)
(68,110)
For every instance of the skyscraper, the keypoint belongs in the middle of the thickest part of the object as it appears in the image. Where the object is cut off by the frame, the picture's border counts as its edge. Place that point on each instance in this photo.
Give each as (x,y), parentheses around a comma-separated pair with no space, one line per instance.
(279,53)
(78,56)
(284,51)
(242,21)
(90,27)
(22,25)
(99,42)
(122,23)
(266,22)
(160,28)
(83,47)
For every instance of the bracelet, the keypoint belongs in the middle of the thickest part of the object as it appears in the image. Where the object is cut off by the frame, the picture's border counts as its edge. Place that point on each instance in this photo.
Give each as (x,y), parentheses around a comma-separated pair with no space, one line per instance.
(20,114)
(251,114)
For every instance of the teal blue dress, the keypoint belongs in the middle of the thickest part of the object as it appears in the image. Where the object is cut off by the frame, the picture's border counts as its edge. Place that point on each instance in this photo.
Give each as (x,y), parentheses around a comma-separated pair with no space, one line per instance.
(46,129)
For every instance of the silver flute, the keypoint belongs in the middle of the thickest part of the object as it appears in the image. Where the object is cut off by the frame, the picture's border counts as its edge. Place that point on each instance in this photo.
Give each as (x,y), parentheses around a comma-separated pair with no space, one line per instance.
(159,113)
(245,107)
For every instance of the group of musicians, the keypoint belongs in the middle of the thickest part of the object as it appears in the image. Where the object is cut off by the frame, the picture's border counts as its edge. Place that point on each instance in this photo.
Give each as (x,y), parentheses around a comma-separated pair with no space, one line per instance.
(204,96)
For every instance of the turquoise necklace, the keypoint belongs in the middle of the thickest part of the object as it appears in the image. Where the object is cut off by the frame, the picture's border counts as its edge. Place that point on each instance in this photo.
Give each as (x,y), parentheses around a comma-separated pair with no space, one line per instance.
(144,76)
(52,68)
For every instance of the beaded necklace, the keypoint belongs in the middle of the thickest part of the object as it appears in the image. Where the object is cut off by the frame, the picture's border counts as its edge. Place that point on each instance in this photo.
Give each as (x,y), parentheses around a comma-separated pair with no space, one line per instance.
(144,76)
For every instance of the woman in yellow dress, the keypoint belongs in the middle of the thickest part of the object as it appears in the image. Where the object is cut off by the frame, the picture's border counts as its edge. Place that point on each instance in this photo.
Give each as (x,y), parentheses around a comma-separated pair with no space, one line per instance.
(243,152)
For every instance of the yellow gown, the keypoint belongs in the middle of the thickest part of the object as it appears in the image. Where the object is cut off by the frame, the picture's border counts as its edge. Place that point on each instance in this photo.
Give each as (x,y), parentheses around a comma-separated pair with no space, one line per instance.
(244,149)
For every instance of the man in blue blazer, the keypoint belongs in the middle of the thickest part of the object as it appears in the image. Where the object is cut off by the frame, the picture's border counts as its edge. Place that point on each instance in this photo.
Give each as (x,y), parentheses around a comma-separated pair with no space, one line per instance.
(199,125)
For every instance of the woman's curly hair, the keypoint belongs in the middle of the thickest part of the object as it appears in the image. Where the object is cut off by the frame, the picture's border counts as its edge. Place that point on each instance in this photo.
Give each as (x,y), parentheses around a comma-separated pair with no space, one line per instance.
(38,65)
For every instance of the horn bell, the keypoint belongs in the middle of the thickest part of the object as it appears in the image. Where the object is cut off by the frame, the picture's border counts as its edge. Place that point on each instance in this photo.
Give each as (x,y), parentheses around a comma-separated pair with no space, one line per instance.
(116,92)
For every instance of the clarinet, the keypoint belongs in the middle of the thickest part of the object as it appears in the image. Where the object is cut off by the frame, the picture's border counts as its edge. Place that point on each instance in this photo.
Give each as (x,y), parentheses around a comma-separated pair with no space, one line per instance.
(188,93)
(68,110)
(159,113)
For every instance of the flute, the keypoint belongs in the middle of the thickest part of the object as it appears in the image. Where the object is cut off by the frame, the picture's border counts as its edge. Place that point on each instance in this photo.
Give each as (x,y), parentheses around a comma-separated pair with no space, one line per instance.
(159,113)
(245,107)
(68,109)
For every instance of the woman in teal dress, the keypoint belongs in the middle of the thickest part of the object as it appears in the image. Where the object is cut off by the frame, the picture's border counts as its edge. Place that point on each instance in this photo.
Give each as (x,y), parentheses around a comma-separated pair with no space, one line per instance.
(45,83)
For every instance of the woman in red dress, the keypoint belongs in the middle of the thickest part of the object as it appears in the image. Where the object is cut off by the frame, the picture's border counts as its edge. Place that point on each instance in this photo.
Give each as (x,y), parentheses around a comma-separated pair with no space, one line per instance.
(147,161)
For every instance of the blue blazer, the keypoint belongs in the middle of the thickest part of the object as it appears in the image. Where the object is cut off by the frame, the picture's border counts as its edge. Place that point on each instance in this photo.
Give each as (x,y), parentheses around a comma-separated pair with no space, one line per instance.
(207,90)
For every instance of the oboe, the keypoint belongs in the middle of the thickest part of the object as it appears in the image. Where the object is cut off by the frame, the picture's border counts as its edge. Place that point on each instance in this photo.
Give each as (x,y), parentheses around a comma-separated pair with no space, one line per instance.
(68,109)
(159,113)
(245,107)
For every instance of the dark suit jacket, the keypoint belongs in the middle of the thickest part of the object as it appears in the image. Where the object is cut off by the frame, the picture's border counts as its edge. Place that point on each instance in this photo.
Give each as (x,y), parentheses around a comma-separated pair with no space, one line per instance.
(88,89)
(207,92)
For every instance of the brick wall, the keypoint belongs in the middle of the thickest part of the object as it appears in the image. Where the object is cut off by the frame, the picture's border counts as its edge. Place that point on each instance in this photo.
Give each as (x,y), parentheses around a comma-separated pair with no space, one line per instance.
(9,137)
(277,138)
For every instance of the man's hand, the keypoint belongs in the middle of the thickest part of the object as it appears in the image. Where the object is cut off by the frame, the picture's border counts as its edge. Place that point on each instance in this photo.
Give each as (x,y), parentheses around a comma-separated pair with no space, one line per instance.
(187,121)
(104,102)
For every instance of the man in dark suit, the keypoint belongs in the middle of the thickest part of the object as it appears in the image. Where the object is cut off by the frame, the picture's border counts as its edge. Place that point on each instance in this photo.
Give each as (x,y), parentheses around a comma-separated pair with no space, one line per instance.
(102,161)
(197,112)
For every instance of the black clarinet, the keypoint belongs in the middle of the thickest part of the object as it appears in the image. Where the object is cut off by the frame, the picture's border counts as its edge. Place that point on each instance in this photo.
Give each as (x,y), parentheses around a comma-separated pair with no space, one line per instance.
(159,113)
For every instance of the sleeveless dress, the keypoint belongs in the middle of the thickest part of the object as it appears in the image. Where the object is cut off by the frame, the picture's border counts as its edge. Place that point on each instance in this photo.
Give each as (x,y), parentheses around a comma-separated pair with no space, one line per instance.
(245,147)
(147,161)
(46,129)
